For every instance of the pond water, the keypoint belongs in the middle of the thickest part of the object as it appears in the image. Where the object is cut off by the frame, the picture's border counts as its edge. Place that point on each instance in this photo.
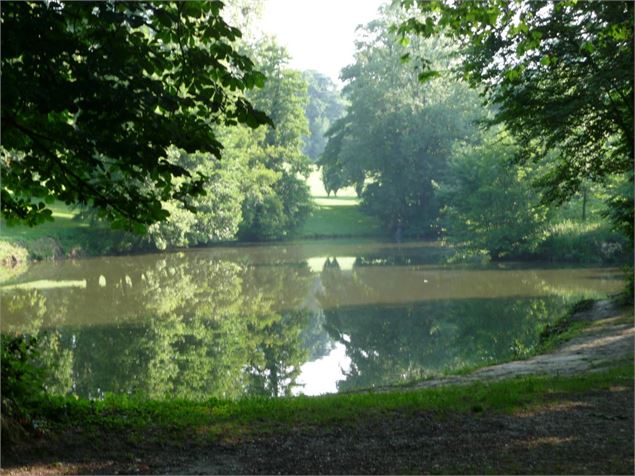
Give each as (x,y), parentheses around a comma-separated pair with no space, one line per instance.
(281,319)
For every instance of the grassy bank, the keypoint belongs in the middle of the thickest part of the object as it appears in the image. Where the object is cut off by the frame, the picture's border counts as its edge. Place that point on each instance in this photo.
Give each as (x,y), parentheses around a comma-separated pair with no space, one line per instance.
(524,425)
(65,236)
(229,418)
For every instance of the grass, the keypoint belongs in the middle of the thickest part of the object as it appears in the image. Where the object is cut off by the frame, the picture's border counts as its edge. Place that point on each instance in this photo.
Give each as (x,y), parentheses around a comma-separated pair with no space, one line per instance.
(262,415)
(336,216)
(339,217)
(62,226)
(63,236)
(591,241)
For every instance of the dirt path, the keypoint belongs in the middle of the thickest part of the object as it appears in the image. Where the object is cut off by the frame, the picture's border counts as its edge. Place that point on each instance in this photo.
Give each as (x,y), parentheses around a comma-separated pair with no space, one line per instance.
(608,339)
(591,433)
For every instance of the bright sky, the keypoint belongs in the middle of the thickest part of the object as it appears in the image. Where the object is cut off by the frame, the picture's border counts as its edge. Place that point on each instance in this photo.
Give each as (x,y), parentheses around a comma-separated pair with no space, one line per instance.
(319,34)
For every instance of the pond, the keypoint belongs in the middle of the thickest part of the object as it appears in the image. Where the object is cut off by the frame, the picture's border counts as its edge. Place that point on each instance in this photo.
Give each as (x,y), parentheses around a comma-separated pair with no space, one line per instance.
(282,319)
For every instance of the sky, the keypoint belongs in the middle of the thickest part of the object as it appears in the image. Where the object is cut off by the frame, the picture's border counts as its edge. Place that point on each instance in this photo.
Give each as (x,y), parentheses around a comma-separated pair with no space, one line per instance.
(319,34)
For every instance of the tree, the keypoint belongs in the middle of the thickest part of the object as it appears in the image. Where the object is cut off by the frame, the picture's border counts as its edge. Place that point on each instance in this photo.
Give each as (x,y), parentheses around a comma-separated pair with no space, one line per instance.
(275,211)
(324,107)
(95,92)
(489,204)
(217,214)
(395,133)
(560,75)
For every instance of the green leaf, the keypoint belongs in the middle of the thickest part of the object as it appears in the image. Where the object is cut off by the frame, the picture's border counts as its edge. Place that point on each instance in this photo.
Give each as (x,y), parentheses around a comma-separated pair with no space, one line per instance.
(428,75)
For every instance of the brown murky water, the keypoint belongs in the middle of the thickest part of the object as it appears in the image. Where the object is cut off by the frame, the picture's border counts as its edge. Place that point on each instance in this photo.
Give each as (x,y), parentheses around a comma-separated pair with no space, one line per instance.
(276,319)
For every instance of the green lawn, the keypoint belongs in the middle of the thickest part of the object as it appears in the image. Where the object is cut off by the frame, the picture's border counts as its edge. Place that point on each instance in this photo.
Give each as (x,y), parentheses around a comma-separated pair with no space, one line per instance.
(62,236)
(63,225)
(339,217)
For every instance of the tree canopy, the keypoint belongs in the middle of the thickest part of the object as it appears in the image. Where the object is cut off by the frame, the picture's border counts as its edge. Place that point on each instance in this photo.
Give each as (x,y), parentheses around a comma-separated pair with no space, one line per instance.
(325,106)
(94,93)
(560,75)
(395,140)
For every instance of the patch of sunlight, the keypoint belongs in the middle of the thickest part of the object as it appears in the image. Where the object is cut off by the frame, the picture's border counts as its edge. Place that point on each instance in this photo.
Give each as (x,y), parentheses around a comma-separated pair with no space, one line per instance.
(47,284)
(316,265)
(336,201)
(346,262)
(548,440)
(558,406)
(63,214)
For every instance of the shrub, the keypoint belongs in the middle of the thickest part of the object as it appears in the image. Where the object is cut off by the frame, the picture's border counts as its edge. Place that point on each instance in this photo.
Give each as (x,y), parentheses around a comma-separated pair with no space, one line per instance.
(22,380)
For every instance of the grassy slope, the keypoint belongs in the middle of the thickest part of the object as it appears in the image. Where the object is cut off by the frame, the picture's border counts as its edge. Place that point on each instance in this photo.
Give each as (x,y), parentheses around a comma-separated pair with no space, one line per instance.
(62,236)
(258,415)
(337,216)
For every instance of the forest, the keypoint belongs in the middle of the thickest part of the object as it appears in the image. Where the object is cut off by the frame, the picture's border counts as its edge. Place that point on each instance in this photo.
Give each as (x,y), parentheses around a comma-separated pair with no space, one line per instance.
(195,230)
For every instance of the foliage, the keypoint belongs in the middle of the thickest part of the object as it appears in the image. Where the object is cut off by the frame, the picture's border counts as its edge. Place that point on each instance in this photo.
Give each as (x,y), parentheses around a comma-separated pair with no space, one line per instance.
(216,215)
(489,203)
(275,209)
(396,138)
(560,75)
(277,214)
(22,380)
(323,108)
(256,191)
(94,94)
(591,242)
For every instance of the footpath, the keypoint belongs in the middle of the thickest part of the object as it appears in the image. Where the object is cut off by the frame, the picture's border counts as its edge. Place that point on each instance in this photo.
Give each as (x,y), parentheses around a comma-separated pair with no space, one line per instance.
(609,338)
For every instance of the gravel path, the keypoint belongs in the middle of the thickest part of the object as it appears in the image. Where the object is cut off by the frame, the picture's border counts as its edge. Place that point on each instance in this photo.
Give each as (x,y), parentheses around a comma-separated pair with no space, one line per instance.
(607,340)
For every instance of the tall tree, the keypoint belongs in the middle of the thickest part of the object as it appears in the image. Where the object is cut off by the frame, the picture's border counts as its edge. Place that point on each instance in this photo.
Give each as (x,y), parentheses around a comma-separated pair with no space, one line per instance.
(279,209)
(395,133)
(95,92)
(560,75)
(324,107)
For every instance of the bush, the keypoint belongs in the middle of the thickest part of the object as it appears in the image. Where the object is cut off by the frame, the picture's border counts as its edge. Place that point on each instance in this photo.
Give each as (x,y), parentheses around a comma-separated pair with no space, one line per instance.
(22,380)
(577,242)
(489,204)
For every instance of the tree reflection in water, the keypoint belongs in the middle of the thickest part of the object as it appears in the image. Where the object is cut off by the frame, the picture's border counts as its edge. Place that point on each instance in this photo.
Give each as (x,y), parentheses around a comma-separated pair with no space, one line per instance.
(244,320)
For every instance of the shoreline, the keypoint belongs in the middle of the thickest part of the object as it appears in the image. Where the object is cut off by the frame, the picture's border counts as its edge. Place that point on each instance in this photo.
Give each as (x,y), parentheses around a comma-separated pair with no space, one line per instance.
(429,424)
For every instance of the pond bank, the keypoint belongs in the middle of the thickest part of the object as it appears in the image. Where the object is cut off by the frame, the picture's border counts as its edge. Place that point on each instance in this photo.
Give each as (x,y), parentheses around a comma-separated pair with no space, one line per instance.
(511,423)
(605,334)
